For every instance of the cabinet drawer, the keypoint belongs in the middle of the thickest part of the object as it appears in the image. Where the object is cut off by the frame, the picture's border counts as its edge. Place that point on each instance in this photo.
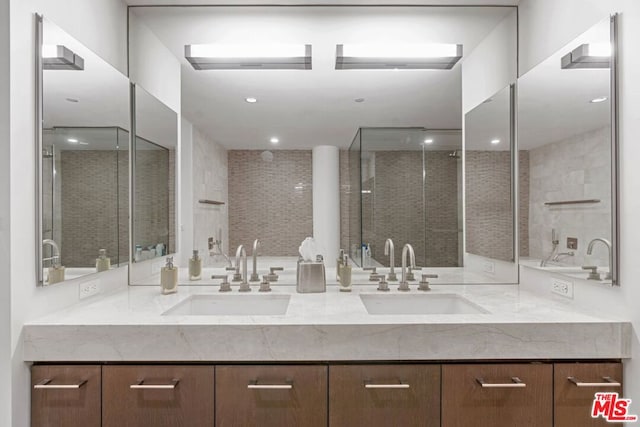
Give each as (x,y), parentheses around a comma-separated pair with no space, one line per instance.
(158,396)
(66,396)
(281,396)
(384,395)
(573,402)
(497,395)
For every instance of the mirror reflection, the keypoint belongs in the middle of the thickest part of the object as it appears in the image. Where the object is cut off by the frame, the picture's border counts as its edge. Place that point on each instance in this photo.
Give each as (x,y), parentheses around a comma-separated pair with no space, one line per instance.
(154,178)
(85,162)
(564,127)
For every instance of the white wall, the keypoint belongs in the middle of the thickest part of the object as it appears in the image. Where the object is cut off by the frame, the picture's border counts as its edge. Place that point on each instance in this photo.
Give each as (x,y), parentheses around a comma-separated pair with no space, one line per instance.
(100,25)
(546,26)
(186,191)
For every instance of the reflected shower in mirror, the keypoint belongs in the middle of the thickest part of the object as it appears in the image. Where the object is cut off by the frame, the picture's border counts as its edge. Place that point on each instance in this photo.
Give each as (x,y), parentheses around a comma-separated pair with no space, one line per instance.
(84,168)
(564,127)
(488,153)
(154,178)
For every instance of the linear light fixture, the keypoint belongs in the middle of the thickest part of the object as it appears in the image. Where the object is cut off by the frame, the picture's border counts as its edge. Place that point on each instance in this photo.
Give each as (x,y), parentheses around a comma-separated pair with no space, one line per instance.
(433,56)
(249,57)
(58,57)
(592,55)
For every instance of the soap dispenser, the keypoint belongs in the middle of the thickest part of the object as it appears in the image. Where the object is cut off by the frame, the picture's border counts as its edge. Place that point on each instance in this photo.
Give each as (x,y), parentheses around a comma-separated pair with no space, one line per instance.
(195,266)
(339,264)
(56,273)
(345,275)
(169,278)
(102,262)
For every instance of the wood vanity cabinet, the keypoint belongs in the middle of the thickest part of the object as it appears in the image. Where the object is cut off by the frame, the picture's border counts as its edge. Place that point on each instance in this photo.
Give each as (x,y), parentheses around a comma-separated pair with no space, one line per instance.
(493,395)
(65,396)
(574,386)
(278,396)
(158,396)
(384,395)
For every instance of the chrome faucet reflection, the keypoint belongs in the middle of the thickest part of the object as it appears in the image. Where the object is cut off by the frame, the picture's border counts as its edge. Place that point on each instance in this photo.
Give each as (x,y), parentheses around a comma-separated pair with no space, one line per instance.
(241,254)
(55,257)
(406,250)
(389,250)
(608,245)
(254,275)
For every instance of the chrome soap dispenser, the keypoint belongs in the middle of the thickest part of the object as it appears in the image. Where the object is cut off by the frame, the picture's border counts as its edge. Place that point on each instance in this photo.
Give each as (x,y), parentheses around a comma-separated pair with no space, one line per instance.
(169,278)
(102,262)
(195,266)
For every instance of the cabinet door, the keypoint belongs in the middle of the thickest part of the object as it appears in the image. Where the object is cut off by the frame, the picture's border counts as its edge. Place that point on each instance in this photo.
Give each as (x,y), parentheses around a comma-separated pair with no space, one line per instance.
(497,395)
(278,396)
(66,396)
(158,396)
(384,395)
(575,385)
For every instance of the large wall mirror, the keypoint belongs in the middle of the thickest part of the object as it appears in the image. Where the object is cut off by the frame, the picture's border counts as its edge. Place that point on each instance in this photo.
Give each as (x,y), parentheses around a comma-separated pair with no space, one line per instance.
(82,159)
(154,178)
(567,131)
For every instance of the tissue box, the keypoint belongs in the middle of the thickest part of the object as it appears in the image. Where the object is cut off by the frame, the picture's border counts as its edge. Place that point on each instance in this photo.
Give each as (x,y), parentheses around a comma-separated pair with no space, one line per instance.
(311,277)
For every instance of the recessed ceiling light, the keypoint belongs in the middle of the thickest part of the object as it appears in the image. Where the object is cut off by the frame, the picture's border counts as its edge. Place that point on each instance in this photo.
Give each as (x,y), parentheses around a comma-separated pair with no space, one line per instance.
(598,100)
(428,141)
(72,140)
(74,100)
(274,140)
(359,100)
(251,100)
(495,141)
(83,143)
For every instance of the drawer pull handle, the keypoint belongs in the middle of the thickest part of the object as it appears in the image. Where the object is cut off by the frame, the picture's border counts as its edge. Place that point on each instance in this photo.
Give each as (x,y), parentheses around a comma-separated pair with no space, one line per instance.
(253,385)
(608,382)
(140,385)
(45,385)
(400,384)
(516,383)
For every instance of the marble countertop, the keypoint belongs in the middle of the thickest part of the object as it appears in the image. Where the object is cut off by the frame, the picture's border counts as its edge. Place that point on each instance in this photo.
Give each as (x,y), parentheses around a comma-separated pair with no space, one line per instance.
(333,326)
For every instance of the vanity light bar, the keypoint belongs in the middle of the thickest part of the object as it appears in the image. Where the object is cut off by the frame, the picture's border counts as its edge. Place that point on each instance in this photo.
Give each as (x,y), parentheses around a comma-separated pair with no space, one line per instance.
(249,57)
(594,55)
(58,57)
(433,56)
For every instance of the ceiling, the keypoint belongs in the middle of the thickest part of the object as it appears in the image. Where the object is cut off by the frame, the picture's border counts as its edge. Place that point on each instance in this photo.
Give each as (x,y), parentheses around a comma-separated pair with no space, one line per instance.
(309,108)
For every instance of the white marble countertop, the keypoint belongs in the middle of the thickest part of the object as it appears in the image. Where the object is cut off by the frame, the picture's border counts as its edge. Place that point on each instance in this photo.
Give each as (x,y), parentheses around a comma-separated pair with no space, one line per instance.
(130,326)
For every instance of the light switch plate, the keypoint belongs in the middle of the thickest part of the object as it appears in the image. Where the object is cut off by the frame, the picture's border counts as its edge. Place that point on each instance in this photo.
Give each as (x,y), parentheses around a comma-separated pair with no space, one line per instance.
(562,287)
(89,288)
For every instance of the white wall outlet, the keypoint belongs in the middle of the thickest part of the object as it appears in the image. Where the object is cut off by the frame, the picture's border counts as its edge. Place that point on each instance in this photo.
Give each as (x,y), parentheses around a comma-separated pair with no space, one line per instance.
(562,287)
(89,288)
(488,267)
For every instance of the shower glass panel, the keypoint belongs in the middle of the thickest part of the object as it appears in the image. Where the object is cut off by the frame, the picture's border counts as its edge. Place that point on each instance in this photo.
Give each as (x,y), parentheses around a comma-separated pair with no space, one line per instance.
(410,191)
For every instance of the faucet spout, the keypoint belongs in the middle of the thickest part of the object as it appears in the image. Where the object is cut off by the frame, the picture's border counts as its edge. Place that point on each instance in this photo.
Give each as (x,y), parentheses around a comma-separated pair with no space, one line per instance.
(254,275)
(241,254)
(607,243)
(389,250)
(407,250)
(55,257)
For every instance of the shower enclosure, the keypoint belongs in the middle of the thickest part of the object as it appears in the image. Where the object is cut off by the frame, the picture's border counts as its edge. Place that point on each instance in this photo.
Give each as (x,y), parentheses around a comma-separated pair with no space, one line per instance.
(406,184)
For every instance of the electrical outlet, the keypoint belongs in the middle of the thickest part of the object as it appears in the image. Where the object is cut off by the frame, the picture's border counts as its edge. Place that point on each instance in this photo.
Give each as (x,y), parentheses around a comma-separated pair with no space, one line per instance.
(572,243)
(88,289)
(489,267)
(562,287)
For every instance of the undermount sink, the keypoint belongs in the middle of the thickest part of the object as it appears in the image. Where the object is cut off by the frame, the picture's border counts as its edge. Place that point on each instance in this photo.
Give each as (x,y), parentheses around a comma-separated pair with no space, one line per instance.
(420,304)
(231,305)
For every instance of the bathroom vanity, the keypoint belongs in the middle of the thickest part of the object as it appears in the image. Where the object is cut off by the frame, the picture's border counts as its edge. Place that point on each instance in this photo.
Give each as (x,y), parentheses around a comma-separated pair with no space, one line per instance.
(140,358)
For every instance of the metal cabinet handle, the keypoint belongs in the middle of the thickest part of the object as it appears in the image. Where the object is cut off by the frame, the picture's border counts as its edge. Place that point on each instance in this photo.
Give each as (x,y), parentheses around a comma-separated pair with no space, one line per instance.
(253,385)
(140,385)
(516,383)
(45,385)
(399,384)
(608,382)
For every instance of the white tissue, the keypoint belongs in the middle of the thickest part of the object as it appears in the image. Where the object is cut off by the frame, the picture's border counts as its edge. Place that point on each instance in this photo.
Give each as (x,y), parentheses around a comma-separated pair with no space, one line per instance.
(308,249)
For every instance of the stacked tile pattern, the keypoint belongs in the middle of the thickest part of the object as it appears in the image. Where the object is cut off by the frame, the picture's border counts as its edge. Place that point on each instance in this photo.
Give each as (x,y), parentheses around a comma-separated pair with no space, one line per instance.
(270,200)
(210,181)
(489,219)
(523,201)
(572,169)
(345,195)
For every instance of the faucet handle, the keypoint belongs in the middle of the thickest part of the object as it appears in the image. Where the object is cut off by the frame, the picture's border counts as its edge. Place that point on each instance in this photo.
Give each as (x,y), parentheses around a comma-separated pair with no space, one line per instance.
(593,274)
(373,276)
(230,268)
(272,276)
(424,283)
(225,286)
(410,275)
(264,285)
(382,284)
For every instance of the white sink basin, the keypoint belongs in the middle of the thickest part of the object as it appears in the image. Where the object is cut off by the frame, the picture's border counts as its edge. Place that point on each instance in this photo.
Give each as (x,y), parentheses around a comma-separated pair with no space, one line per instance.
(231,305)
(419,304)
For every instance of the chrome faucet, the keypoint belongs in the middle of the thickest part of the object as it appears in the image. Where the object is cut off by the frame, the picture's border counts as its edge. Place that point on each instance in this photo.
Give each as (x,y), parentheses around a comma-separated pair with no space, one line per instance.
(388,250)
(407,249)
(608,245)
(55,257)
(254,275)
(241,253)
